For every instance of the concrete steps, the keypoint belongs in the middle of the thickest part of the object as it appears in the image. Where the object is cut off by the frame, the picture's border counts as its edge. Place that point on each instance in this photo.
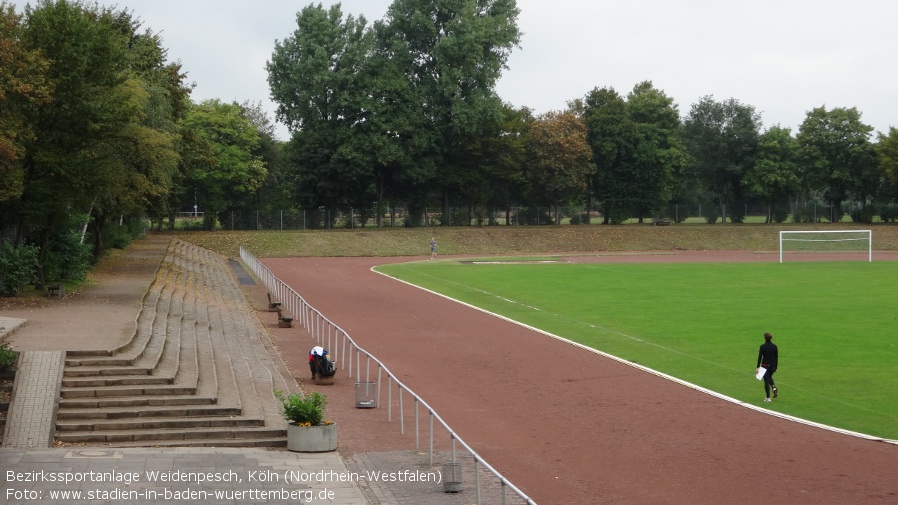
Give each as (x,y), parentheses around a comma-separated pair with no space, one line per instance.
(194,373)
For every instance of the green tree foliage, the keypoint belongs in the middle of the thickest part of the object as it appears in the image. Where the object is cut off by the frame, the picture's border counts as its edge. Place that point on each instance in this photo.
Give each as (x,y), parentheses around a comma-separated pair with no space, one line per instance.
(887,154)
(558,159)
(775,175)
(95,107)
(837,156)
(452,53)
(23,83)
(231,173)
(722,139)
(18,266)
(70,163)
(659,155)
(612,136)
(637,150)
(318,77)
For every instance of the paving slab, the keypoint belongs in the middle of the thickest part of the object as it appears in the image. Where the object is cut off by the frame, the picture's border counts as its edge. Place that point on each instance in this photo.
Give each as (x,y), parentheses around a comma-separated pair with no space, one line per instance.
(8,325)
(31,419)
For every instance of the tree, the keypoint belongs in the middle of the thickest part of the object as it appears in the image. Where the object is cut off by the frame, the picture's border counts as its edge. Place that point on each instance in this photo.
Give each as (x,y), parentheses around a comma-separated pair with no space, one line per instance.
(837,156)
(496,160)
(452,54)
(659,153)
(637,149)
(232,173)
(774,176)
(887,160)
(612,136)
(23,84)
(318,78)
(558,159)
(887,154)
(69,162)
(722,138)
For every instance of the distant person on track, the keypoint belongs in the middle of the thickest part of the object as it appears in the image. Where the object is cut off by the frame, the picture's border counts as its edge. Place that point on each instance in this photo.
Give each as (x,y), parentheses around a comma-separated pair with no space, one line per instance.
(433,248)
(768,355)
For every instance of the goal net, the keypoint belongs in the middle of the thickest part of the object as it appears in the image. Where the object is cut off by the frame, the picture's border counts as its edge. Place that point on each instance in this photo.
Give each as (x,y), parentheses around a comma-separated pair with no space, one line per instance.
(848,244)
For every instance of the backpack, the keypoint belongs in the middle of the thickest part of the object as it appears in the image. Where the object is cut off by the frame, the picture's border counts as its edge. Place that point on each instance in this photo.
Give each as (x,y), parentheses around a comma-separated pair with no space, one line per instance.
(324,366)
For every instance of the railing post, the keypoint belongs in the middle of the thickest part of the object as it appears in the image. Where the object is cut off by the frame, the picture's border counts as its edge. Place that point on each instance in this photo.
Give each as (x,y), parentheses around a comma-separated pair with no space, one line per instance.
(477,479)
(401,413)
(377,401)
(431,437)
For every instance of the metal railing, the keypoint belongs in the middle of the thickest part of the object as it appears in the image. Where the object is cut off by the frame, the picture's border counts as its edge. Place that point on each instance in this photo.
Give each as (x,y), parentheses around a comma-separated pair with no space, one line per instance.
(332,337)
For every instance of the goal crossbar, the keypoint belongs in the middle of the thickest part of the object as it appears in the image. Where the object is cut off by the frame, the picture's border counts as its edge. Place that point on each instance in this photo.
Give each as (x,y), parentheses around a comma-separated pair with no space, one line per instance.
(840,236)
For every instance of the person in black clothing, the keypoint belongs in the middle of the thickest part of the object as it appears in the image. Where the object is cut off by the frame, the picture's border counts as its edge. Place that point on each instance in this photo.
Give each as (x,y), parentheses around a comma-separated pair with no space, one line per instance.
(768,356)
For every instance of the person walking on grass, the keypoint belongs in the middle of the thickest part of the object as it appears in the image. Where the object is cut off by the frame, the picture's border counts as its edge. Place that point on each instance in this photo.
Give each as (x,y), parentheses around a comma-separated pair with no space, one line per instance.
(433,248)
(768,355)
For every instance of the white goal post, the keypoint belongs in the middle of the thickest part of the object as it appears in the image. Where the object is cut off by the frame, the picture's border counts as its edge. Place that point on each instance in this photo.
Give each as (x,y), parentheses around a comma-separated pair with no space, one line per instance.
(833,241)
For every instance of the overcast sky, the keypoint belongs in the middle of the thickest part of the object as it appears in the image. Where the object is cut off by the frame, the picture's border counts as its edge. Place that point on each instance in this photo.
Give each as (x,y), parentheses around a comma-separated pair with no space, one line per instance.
(784,57)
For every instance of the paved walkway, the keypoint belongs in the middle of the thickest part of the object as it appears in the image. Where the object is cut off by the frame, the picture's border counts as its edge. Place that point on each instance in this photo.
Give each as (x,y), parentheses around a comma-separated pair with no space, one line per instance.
(32,412)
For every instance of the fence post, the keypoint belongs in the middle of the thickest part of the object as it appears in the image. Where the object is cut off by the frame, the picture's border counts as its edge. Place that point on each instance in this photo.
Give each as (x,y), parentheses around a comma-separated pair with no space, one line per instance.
(417,430)
(401,411)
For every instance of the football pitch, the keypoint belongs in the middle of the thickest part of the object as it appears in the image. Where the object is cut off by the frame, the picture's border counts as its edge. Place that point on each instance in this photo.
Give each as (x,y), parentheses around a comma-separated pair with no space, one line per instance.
(834,322)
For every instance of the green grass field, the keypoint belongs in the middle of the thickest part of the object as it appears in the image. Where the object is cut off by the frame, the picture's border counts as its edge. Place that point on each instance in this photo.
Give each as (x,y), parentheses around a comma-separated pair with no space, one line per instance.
(834,322)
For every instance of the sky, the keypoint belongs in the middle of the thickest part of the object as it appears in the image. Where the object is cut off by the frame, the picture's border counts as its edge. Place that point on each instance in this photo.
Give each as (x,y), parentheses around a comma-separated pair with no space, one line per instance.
(783,57)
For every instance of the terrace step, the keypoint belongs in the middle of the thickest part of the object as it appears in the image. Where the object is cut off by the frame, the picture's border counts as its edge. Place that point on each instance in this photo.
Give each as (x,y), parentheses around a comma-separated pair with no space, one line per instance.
(173,434)
(126,402)
(279,441)
(116,380)
(109,412)
(99,371)
(196,372)
(118,391)
(154,423)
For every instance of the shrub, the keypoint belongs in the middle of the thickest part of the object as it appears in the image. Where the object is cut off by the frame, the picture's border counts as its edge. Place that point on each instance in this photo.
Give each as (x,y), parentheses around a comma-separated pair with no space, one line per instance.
(888,212)
(7,356)
(303,408)
(67,258)
(18,266)
(780,214)
(534,216)
(863,215)
(712,215)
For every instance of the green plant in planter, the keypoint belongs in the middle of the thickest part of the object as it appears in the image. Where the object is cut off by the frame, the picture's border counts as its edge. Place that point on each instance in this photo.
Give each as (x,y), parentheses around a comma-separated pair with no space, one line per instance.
(7,356)
(303,409)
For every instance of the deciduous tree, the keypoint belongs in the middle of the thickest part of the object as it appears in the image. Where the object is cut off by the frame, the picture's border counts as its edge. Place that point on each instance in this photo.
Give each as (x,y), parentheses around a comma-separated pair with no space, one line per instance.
(774,176)
(232,173)
(452,53)
(558,159)
(722,139)
(837,156)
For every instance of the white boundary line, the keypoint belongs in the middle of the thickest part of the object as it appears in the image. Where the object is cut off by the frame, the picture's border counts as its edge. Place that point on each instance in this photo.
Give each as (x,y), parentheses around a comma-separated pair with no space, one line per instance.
(654,372)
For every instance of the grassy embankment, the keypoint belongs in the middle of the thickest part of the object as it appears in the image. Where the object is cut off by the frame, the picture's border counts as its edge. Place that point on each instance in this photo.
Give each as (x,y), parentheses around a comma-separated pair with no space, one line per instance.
(516,240)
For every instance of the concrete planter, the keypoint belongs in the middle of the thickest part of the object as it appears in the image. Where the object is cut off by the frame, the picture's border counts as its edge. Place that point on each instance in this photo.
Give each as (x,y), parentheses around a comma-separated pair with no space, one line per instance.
(321,438)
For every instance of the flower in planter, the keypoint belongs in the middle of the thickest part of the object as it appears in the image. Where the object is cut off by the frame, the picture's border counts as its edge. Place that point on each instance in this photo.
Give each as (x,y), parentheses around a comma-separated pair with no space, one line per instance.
(303,409)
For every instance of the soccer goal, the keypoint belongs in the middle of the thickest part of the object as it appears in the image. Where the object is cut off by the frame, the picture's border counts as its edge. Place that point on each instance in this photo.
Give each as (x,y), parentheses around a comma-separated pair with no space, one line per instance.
(853,243)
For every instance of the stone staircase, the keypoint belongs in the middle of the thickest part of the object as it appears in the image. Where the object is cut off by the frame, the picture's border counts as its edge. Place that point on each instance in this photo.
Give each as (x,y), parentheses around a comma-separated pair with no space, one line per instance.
(200,369)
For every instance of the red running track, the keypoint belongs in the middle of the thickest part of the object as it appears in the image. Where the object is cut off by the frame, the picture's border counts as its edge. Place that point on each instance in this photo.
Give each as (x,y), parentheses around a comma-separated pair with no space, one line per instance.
(599,431)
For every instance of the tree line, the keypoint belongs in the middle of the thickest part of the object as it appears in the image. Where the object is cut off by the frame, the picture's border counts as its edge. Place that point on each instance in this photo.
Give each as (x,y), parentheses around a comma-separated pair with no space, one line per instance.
(403,111)
(98,131)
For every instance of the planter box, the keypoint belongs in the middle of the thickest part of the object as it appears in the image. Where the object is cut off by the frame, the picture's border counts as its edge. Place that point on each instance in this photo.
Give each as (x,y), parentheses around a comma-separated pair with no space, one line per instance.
(322,438)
